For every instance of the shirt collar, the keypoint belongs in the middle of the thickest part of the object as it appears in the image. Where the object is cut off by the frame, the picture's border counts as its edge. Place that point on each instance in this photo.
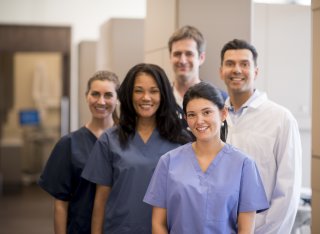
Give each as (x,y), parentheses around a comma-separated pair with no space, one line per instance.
(252,102)
(177,96)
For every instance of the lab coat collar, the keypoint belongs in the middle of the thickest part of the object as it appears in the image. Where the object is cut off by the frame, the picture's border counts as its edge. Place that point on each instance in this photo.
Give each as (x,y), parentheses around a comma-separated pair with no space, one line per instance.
(253,102)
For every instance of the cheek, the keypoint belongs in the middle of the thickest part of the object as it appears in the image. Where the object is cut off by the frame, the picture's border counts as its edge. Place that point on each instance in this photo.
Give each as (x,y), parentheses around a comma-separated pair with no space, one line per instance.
(190,122)
(90,101)
(112,102)
(157,98)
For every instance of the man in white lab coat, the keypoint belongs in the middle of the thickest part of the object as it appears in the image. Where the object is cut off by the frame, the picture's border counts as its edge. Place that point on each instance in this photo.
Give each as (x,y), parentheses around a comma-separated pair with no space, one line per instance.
(266,131)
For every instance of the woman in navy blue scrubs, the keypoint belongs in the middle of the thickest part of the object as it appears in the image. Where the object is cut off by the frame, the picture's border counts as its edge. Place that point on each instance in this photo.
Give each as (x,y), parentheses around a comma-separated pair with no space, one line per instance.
(124,157)
(74,196)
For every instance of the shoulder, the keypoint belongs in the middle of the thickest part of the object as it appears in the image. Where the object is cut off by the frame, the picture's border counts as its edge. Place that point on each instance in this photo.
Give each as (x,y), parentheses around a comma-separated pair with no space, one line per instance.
(175,156)
(235,153)
(177,153)
(110,133)
(277,112)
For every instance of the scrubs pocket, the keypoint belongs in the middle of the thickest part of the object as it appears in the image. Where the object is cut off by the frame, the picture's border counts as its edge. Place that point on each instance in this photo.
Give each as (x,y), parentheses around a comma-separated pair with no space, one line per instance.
(220,205)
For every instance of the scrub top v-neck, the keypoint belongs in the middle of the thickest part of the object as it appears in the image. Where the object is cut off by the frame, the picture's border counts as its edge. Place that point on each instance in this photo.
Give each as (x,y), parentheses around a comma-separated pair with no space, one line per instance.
(205,202)
(128,171)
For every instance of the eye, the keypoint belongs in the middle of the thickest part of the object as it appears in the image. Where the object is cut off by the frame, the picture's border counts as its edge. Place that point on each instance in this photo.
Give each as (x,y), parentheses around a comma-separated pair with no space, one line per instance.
(190,115)
(245,64)
(155,91)
(176,54)
(229,64)
(95,94)
(137,90)
(108,95)
(189,54)
(207,112)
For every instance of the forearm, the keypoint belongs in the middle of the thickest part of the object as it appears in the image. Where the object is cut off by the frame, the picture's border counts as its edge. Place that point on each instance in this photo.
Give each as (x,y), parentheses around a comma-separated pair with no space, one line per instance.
(159,221)
(246,222)
(60,216)
(97,220)
(101,197)
(159,229)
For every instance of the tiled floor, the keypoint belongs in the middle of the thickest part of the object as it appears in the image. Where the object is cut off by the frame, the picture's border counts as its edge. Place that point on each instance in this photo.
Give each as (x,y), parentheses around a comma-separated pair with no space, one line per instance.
(29,211)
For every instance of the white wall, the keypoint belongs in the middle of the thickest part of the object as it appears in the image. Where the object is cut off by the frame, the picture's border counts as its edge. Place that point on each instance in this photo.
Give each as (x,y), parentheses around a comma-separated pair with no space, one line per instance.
(85,18)
(282,36)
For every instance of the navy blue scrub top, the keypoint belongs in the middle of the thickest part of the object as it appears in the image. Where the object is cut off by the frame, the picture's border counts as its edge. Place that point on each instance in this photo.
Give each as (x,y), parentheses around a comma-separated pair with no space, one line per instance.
(128,171)
(62,178)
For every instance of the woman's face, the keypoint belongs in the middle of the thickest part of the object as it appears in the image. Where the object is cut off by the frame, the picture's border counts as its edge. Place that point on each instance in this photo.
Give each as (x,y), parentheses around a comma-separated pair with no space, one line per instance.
(146,96)
(102,98)
(204,119)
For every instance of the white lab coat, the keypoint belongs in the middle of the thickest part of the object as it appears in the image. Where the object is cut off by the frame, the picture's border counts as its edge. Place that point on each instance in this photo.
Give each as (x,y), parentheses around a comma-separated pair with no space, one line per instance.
(269,133)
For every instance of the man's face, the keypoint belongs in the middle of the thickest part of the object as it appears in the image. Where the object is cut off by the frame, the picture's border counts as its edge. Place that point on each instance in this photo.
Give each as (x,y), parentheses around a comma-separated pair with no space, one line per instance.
(186,60)
(238,71)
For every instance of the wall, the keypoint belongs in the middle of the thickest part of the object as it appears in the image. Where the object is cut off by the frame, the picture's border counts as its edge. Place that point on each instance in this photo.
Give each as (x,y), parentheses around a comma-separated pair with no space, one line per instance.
(315,225)
(284,62)
(120,45)
(87,66)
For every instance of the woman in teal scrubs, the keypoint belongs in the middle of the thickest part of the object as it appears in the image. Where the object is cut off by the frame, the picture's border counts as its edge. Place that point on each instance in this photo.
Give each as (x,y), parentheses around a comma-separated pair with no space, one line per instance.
(124,158)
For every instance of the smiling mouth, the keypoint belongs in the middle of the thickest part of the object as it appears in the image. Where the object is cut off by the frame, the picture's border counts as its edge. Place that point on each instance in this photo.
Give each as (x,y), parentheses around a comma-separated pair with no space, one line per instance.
(236,78)
(201,129)
(101,108)
(145,106)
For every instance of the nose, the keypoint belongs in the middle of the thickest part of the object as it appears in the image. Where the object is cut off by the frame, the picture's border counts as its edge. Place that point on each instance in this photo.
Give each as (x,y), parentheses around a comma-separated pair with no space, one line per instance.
(199,118)
(101,100)
(237,68)
(182,58)
(146,96)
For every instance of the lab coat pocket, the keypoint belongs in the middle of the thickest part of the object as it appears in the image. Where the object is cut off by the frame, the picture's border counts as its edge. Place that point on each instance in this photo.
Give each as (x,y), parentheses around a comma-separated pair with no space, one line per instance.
(220,205)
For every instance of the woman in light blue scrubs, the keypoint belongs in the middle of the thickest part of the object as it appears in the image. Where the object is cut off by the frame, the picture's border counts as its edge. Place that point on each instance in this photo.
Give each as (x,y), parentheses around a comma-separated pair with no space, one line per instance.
(124,158)
(206,186)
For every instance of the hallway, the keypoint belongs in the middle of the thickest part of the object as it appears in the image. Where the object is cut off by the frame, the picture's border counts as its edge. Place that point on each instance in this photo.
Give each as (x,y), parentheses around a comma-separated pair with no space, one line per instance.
(27,212)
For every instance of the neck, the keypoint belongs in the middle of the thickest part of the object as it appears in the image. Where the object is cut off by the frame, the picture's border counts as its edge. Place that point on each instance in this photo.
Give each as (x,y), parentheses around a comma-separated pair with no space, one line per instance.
(145,124)
(208,149)
(238,99)
(97,126)
(145,128)
(182,85)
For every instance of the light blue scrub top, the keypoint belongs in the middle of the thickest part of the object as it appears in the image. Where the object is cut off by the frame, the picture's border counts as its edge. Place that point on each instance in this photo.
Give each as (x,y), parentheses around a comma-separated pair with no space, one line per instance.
(128,171)
(206,202)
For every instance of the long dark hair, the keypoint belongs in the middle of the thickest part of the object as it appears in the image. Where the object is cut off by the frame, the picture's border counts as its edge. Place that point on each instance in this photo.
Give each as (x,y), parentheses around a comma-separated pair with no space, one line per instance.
(209,92)
(167,121)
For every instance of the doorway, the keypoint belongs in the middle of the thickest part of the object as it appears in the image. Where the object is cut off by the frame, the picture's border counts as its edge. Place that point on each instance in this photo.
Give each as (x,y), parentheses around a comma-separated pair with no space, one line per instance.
(34,79)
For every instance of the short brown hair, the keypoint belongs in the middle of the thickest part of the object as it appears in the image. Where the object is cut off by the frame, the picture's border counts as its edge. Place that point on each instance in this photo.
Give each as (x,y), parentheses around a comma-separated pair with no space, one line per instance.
(188,32)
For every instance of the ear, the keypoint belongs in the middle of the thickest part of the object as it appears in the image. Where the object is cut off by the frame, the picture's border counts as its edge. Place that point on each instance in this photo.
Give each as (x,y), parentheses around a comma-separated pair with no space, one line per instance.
(202,57)
(256,72)
(224,113)
(185,117)
(220,73)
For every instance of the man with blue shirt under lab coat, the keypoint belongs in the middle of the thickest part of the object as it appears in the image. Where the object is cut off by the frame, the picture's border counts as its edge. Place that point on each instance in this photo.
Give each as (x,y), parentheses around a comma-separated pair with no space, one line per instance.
(266,131)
